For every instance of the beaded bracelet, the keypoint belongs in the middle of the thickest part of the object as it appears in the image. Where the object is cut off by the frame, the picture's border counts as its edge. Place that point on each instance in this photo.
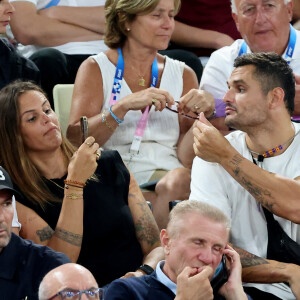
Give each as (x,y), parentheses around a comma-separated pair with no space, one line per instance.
(74,183)
(106,122)
(119,121)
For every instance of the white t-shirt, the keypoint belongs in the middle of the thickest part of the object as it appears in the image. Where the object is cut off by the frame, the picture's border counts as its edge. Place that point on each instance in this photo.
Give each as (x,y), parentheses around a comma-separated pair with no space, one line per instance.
(15,221)
(89,47)
(220,66)
(158,147)
(212,184)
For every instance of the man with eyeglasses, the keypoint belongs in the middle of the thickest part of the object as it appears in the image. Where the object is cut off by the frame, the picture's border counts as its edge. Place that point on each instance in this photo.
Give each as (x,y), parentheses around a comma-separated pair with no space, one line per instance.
(69,281)
(22,263)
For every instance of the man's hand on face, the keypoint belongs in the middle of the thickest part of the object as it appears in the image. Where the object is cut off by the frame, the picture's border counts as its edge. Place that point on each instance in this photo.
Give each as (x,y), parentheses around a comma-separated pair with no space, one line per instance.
(233,289)
(209,143)
(194,285)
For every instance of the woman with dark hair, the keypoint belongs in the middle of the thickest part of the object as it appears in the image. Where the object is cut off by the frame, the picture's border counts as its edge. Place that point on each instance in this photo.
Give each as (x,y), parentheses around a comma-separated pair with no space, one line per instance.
(82,202)
(125,92)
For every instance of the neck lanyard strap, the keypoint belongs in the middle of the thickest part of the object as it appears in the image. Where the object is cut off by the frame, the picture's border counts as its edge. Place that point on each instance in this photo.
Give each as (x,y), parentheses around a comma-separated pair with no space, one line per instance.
(290,49)
(52,3)
(115,94)
(116,89)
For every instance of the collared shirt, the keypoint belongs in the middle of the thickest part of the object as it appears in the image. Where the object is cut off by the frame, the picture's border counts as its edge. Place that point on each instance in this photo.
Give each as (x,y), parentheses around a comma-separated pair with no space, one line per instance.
(23,265)
(163,278)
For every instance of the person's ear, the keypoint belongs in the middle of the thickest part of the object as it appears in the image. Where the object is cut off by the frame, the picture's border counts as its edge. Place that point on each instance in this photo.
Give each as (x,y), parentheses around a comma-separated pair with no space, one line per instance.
(165,241)
(289,7)
(236,20)
(276,97)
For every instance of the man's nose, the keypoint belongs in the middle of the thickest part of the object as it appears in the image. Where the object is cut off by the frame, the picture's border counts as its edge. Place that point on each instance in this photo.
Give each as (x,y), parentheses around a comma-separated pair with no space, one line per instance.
(206,256)
(228,97)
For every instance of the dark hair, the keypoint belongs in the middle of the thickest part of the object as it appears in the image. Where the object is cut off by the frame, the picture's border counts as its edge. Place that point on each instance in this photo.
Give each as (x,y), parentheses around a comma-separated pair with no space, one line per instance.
(272,71)
(120,12)
(13,156)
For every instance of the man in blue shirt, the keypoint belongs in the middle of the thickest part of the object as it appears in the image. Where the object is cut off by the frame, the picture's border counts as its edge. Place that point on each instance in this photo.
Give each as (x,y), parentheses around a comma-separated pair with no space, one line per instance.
(23,264)
(194,242)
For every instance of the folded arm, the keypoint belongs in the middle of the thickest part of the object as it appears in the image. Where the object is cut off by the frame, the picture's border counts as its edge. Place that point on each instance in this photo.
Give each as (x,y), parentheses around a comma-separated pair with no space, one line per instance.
(190,36)
(91,18)
(31,28)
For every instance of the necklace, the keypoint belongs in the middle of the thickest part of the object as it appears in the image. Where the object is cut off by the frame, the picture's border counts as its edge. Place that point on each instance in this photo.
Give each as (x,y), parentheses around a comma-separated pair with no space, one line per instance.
(142,81)
(260,157)
(55,183)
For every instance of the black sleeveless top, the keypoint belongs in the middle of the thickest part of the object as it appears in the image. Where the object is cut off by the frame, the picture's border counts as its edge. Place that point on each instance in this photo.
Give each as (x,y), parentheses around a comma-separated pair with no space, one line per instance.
(109,248)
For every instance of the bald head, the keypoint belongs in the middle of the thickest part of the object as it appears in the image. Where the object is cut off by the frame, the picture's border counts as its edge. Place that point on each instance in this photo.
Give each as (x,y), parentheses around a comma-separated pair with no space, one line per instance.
(70,275)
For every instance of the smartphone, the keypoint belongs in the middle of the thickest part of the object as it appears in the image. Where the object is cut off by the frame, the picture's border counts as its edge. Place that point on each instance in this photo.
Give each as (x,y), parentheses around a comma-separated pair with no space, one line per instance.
(84,127)
(221,276)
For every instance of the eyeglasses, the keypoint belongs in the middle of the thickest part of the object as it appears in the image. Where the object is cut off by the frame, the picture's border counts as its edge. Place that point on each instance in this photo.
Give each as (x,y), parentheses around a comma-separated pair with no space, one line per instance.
(174,109)
(92,293)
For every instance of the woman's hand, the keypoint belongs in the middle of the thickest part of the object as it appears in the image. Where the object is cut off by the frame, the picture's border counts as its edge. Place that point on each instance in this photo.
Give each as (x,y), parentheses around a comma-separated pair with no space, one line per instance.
(83,163)
(140,100)
(197,101)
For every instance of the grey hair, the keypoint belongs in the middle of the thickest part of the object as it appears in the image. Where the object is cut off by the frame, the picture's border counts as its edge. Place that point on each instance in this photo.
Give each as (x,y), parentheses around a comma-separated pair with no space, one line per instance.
(234,9)
(193,206)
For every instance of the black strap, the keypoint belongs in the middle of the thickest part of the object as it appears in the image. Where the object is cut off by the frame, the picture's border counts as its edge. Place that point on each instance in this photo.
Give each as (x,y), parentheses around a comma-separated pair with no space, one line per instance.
(280,246)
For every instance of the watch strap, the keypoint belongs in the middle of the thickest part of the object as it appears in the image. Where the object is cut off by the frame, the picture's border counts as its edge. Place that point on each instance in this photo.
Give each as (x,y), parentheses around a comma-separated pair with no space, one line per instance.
(146,268)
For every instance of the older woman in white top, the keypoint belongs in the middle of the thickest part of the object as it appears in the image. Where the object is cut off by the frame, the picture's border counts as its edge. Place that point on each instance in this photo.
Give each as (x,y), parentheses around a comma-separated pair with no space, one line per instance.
(125,91)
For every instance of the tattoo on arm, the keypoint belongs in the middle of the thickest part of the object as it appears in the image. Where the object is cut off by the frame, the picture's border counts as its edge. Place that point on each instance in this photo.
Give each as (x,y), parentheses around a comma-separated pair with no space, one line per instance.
(45,233)
(249,259)
(256,191)
(144,230)
(69,237)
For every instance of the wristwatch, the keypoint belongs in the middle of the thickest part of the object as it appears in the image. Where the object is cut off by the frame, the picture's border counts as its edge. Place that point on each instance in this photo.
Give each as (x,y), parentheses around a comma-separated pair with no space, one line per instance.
(146,268)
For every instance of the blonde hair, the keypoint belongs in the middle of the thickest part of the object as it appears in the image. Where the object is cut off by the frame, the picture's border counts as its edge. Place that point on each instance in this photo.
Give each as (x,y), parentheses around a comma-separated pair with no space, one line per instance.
(120,12)
(192,206)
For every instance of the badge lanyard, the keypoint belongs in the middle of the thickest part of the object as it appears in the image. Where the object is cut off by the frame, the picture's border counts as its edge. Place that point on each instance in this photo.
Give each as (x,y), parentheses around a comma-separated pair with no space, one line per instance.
(115,95)
(52,3)
(290,48)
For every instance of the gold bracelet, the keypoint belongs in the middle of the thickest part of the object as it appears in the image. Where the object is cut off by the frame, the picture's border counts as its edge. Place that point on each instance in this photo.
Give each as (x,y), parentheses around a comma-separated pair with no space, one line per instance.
(73,196)
(106,122)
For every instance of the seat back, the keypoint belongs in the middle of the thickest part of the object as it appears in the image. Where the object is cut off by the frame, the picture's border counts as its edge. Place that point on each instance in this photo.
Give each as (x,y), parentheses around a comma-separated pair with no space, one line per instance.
(62,96)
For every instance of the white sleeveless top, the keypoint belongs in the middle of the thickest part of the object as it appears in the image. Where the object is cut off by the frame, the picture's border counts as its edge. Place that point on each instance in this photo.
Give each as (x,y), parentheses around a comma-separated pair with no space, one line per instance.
(158,147)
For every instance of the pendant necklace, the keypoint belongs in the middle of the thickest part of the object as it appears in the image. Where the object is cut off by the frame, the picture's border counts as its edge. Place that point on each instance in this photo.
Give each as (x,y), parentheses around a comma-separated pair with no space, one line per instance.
(55,183)
(142,81)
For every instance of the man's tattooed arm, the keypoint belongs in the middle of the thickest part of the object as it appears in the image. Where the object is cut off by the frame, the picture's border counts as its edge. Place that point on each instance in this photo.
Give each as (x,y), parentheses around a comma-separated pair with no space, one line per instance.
(249,259)
(261,270)
(67,236)
(262,195)
(145,230)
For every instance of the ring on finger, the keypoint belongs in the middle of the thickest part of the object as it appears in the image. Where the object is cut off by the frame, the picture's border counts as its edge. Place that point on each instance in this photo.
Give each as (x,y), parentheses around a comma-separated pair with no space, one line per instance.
(196,107)
(154,101)
(89,144)
(98,155)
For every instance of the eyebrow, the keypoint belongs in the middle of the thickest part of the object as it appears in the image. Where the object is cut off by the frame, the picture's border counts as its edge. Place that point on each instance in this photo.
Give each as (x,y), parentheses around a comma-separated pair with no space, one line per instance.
(163,9)
(31,110)
(237,82)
